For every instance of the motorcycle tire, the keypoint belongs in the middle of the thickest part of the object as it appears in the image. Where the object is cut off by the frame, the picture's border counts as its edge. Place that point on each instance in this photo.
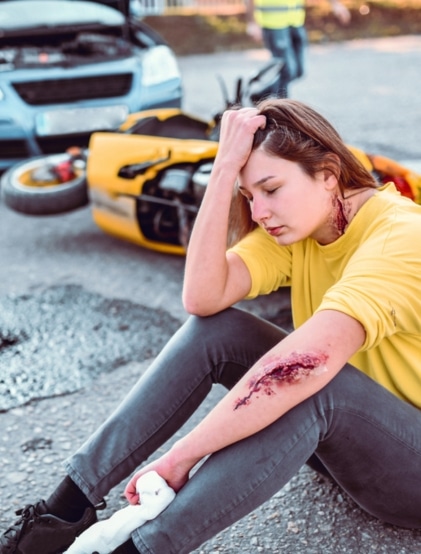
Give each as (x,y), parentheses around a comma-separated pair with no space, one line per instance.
(33,197)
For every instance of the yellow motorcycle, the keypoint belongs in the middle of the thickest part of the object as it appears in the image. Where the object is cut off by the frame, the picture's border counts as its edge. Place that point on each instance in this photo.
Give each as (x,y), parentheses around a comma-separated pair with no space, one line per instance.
(146,180)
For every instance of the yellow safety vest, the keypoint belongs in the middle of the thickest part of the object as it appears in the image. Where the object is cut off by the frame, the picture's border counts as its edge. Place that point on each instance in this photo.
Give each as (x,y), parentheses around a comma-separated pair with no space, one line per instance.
(278,14)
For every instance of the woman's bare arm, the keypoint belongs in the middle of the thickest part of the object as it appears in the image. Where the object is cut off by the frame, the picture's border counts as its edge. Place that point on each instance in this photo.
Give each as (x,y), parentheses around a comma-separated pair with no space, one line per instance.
(214,279)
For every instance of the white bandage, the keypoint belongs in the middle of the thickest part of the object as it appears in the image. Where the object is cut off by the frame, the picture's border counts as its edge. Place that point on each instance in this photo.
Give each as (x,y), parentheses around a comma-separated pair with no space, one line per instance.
(105,536)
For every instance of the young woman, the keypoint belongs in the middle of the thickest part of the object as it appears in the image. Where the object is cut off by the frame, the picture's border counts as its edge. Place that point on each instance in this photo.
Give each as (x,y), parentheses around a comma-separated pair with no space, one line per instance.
(344,388)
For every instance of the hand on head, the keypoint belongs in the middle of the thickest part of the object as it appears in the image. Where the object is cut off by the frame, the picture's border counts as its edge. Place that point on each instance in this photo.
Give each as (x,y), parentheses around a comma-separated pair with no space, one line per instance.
(236,138)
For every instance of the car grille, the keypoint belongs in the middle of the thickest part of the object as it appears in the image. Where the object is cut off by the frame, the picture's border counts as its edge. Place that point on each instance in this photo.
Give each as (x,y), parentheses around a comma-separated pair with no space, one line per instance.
(54,145)
(13,149)
(57,91)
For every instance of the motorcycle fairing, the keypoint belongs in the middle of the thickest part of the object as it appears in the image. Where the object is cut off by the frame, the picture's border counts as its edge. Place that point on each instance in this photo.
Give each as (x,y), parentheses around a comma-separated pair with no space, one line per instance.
(120,204)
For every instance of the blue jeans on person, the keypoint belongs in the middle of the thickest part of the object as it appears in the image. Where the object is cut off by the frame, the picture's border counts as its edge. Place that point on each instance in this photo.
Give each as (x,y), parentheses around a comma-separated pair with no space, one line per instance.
(288,44)
(368,439)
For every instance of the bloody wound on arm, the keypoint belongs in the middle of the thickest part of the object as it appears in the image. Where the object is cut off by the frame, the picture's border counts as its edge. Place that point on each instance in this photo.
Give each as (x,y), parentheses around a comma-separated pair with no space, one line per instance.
(290,370)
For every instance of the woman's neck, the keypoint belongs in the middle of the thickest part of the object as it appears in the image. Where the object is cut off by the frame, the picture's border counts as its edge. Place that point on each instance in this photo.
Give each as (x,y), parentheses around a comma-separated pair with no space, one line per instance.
(345,208)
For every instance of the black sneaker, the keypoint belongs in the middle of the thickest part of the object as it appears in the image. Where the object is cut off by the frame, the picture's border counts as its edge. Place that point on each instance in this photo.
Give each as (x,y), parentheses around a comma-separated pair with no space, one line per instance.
(38,532)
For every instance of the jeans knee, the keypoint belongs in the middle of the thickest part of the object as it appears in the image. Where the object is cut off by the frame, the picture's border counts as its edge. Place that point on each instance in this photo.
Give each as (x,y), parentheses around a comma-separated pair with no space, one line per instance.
(229,339)
(210,328)
(231,324)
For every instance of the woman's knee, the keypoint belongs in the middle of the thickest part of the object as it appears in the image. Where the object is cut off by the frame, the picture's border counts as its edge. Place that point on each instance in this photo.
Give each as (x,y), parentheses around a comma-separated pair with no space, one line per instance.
(233,324)
(229,342)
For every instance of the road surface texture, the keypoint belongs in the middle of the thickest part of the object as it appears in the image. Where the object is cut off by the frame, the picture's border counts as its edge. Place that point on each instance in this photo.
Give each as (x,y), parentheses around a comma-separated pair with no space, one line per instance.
(82,314)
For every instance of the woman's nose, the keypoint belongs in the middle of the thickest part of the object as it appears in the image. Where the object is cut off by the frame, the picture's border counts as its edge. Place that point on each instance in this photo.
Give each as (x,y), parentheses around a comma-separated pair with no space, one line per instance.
(259,210)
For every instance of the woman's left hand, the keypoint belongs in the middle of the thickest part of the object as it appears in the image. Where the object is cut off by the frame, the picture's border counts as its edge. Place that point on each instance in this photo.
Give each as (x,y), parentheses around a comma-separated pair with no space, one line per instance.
(170,467)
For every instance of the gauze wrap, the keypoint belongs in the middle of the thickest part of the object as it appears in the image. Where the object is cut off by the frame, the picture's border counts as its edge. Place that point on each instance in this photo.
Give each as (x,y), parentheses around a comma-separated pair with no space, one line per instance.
(106,535)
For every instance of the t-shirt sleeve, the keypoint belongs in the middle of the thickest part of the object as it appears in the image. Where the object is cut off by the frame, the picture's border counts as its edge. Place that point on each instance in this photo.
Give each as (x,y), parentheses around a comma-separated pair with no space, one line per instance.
(268,263)
(380,285)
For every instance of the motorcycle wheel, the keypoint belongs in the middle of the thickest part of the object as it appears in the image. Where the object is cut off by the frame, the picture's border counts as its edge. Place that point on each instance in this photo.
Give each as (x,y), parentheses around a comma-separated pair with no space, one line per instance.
(25,194)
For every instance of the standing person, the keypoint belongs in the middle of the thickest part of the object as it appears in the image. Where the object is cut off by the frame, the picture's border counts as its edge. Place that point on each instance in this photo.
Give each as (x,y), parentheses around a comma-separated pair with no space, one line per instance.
(280,24)
(344,387)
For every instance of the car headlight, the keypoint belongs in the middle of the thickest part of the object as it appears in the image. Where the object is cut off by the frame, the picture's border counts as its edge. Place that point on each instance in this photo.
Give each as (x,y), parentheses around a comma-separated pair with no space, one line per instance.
(2,95)
(159,65)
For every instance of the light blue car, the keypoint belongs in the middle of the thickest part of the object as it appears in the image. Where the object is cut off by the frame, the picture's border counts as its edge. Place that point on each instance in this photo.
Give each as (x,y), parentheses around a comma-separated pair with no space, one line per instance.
(71,67)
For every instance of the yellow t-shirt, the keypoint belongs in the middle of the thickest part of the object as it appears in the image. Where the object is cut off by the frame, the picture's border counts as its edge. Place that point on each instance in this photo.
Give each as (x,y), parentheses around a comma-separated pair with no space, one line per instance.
(372,273)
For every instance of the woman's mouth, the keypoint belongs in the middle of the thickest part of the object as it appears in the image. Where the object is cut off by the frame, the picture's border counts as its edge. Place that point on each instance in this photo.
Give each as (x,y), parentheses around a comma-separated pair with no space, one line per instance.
(274,231)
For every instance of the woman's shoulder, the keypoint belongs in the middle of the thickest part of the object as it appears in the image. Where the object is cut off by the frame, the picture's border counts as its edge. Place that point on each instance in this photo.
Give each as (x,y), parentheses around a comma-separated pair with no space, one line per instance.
(388,203)
(388,193)
(392,222)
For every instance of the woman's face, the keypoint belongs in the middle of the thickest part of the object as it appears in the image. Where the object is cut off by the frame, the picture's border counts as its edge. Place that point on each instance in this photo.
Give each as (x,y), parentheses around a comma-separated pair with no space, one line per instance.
(286,202)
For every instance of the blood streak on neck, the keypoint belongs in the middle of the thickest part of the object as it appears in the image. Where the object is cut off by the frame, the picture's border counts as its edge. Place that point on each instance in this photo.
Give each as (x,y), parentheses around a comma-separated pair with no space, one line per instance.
(341,218)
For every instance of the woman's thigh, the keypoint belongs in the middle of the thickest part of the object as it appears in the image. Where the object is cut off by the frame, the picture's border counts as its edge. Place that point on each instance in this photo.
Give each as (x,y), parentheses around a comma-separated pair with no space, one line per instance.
(371,446)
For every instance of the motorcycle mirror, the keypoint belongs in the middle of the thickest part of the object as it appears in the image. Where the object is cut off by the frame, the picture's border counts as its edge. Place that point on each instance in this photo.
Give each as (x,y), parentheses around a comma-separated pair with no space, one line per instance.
(274,64)
(239,92)
(224,89)
(264,82)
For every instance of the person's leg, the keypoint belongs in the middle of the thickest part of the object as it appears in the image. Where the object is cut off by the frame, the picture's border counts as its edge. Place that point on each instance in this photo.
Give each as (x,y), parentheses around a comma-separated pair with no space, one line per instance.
(217,349)
(278,42)
(369,440)
(299,46)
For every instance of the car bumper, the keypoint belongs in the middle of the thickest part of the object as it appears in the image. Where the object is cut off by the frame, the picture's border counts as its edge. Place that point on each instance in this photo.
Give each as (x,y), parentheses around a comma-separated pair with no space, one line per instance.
(28,131)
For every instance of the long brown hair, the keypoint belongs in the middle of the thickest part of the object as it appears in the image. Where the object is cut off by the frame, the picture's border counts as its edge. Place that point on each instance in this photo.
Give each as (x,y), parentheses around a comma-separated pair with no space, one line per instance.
(297,133)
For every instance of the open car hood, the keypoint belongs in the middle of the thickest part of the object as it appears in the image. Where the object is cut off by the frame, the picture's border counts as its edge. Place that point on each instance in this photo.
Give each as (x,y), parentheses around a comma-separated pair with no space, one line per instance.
(40,17)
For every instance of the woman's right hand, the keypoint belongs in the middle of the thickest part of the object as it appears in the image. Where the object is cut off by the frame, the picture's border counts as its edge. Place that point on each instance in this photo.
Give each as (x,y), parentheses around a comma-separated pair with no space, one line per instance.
(236,137)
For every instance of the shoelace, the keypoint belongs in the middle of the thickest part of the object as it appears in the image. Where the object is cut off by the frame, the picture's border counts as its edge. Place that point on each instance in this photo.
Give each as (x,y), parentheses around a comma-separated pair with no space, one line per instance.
(27,514)
(100,506)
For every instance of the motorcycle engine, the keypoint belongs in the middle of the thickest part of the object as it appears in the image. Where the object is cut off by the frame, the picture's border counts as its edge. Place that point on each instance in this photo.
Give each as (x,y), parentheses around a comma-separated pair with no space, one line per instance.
(200,179)
(168,205)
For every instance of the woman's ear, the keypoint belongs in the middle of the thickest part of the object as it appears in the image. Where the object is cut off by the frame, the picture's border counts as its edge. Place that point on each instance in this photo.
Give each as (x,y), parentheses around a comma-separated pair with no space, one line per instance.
(331,171)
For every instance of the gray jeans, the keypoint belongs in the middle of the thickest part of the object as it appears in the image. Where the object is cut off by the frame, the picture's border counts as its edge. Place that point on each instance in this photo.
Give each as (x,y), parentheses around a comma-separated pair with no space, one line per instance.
(369,440)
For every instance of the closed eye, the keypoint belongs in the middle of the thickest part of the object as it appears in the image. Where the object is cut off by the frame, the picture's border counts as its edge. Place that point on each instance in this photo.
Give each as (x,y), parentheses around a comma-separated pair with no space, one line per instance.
(270,191)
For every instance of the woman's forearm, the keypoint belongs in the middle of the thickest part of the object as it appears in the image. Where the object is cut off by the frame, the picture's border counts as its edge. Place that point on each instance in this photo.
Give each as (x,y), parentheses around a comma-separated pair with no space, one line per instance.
(213,279)
(241,414)
(206,266)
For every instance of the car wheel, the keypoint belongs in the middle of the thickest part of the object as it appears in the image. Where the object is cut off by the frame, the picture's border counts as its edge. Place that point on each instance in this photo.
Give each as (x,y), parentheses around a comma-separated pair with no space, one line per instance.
(47,185)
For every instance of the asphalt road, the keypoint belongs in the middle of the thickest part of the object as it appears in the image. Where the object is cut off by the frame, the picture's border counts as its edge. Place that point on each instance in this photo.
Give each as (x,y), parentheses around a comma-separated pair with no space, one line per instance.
(370,91)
